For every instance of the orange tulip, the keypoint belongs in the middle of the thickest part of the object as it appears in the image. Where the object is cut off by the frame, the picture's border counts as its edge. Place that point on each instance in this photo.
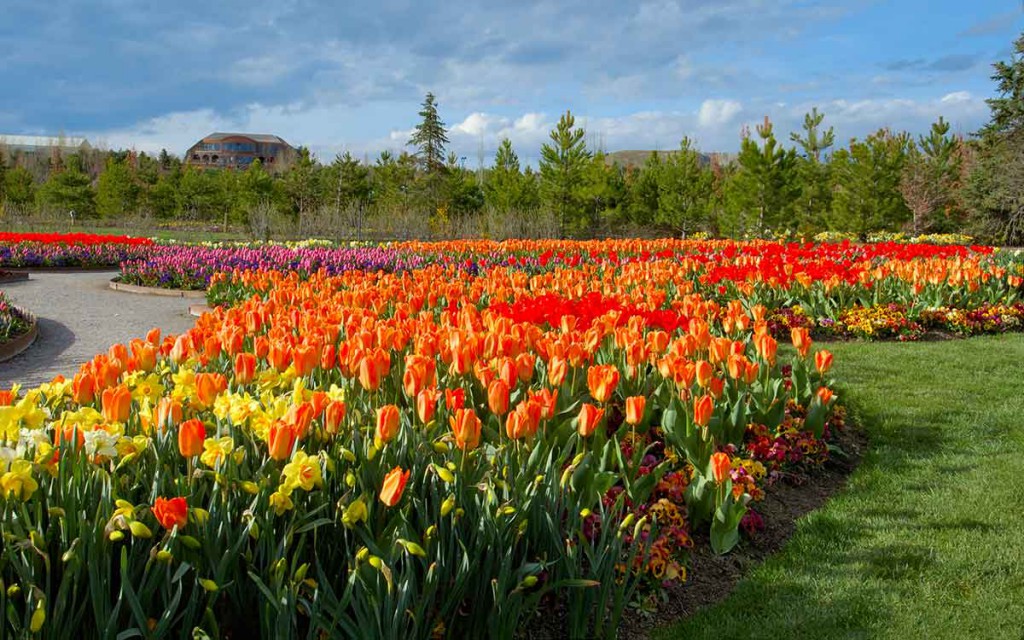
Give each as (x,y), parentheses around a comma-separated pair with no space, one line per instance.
(168,413)
(635,409)
(117,404)
(524,421)
(191,435)
(737,366)
(720,466)
(304,359)
(704,373)
(171,513)
(426,404)
(525,363)
(393,487)
(208,387)
(83,388)
(601,381)
(716,387)
(825,395)
(766,347)
(279,356)
(153,336)
(245,367)
(369,373)
(801,340)
(144,355)
(328,357)
(547,400)
(497,397)
(466,427)
(334,414)
(590,416)
(557,370)
(299,417)
(702,410)
(388,423)
(417,374)
(182,349)
(454,399)
(823,361)
(281,439)
(750,375)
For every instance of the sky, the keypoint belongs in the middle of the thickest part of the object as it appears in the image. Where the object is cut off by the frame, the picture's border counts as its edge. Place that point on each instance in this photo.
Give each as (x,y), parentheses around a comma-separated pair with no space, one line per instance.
(350,76)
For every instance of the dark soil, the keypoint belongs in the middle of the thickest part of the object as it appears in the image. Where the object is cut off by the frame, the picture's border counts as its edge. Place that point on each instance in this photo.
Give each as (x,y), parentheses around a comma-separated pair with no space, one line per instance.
(710,578)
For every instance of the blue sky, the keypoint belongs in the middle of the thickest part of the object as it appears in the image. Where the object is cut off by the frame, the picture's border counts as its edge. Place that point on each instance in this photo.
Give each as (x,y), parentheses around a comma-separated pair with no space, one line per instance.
(339,76)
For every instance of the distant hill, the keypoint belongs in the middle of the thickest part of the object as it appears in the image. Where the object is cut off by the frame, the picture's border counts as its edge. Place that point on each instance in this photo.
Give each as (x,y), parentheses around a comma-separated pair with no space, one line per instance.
(638,158)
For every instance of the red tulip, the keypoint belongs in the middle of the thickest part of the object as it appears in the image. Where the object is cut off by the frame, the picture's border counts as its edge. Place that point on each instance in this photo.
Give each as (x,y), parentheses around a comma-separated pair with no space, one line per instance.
(171,513)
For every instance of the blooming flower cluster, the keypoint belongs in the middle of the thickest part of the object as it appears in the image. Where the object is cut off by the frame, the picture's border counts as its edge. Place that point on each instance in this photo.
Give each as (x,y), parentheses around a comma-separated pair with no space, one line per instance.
(331,448)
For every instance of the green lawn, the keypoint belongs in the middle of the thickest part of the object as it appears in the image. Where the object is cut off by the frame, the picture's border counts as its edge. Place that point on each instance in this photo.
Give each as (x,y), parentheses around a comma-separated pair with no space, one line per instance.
(928,539)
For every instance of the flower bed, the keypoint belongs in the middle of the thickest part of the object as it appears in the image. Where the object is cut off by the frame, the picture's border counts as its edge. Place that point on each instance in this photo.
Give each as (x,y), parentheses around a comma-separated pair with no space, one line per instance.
(346,453)
(79,250)
(443,440)
(13,322)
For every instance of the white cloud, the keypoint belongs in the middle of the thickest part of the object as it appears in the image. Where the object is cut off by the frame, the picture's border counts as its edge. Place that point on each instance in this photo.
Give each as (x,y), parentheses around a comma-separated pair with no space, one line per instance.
(717,113)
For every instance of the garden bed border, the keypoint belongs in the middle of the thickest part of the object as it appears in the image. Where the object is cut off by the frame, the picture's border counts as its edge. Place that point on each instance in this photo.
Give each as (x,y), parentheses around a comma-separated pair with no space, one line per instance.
(155,291)
(19,344)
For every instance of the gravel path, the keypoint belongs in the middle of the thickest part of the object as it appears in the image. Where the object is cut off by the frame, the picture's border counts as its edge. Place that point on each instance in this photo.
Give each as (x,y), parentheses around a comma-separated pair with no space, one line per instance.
(79,317)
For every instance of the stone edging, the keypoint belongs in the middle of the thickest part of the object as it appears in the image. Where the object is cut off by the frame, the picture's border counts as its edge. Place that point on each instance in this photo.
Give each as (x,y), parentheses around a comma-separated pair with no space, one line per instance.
(155,291)
(10,349)
(198,309)
(13,276)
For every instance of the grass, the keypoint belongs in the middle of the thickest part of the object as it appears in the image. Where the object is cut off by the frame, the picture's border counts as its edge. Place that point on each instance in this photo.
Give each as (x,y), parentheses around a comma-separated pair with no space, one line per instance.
(926,541)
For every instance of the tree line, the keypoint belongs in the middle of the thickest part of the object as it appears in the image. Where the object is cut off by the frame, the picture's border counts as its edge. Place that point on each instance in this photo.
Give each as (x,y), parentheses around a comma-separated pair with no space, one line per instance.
(939,182)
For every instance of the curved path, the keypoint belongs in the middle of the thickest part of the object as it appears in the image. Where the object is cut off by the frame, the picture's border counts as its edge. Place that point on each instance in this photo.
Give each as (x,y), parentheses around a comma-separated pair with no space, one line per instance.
(79,317)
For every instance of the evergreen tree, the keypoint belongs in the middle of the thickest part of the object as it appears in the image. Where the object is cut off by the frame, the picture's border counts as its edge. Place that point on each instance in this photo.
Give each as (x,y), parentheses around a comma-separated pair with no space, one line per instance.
(930,181)
(462,194)
(506,185)
(3,182)
(685,191)
(68,189)
(19,189)
(815,199)
(995,187)
(644,185)
(867,178)
(199,195)
(301,186)
(762,192)
(562,173)
(430,138)
(117,193)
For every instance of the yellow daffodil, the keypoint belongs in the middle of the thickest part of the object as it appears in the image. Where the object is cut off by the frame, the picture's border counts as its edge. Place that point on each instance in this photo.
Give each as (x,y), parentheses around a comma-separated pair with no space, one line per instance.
(19,481)
(216,450)
(281,502)
(303,471)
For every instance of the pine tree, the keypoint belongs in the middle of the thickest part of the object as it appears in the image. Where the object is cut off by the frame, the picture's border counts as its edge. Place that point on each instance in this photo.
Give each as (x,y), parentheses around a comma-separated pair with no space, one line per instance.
(866,181)
(430,138)
(995,187)
(562,167)
(930,180)
(815,200)
(301,186)
(644,185)
(19,189)
(117,191)
(505,186)
(68,189)
(685,191)
(762,192)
